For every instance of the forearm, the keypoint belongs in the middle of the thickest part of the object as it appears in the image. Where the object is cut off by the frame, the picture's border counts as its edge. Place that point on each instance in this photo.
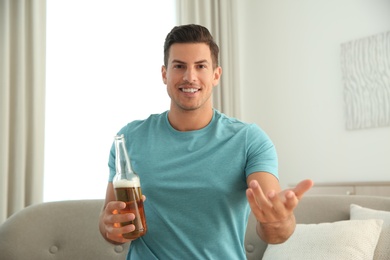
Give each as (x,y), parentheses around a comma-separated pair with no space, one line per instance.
(276,232)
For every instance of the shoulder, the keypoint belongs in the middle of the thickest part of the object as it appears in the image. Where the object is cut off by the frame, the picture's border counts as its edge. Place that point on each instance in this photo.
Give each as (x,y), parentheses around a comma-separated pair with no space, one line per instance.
(250,134)
(223,118)
(234,123)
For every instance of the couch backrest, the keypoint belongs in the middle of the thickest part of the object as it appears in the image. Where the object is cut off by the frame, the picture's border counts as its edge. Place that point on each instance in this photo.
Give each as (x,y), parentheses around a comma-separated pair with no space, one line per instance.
(314,209)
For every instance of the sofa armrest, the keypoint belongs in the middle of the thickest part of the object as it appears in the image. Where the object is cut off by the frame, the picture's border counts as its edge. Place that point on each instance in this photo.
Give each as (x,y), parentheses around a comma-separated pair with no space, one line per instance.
(62,230)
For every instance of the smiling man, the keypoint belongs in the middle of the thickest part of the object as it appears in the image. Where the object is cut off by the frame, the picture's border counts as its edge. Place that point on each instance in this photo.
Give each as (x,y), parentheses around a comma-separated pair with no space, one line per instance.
(202,171)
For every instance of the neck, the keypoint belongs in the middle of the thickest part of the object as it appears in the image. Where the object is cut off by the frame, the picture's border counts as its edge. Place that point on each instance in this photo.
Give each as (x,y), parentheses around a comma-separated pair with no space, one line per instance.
(190,120)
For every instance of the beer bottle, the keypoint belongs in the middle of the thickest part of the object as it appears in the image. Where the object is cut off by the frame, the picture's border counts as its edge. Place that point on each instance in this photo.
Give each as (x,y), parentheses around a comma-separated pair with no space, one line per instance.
(128,189)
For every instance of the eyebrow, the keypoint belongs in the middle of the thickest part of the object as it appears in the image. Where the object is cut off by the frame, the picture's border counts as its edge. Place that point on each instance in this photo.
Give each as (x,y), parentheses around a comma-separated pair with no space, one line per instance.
(196,62)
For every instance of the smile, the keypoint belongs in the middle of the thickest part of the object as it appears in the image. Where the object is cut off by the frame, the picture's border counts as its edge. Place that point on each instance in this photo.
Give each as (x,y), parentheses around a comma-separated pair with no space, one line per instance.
(189,90)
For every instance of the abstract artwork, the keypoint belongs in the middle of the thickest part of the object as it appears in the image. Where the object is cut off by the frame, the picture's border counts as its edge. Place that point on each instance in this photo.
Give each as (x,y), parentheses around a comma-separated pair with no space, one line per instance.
(365,65)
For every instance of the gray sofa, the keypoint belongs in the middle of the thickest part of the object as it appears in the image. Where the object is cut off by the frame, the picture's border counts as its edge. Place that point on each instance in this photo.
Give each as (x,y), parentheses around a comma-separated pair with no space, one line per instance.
(69,229)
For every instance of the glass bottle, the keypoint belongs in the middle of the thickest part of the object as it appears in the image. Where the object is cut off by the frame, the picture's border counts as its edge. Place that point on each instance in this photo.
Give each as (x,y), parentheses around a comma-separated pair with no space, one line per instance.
(128,189)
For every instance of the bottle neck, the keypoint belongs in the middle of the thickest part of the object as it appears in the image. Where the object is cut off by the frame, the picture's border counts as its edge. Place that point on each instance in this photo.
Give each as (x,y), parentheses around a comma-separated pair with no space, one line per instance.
(122,161)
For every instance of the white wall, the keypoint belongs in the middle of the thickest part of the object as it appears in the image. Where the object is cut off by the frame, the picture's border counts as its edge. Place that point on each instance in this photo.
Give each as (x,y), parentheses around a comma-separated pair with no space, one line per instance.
(101,74)
(291,73)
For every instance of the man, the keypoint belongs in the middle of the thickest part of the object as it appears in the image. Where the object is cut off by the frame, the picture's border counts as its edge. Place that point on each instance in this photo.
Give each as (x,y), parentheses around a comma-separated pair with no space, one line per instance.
(202,172)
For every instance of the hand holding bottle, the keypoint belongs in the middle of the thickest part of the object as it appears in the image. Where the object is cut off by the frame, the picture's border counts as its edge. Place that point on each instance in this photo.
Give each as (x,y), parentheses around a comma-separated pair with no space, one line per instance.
(111,219)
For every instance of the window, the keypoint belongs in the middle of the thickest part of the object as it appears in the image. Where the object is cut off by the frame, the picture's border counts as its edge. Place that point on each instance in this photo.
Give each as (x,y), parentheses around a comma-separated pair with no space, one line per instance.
(103,70)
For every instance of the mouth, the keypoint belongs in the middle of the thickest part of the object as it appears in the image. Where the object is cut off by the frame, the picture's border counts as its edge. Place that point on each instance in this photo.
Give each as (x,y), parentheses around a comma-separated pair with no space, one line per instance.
(189,90)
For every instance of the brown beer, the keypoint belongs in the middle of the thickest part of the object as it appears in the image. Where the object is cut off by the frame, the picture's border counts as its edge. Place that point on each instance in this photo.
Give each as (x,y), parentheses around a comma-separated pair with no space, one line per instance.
(132,196)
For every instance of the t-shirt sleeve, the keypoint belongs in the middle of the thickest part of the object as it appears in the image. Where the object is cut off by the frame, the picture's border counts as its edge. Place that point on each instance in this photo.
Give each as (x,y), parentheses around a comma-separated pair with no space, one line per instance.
(261,152)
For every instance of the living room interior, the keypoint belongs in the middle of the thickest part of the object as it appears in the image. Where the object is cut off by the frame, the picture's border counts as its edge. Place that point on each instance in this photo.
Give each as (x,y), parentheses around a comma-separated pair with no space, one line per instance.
(291,83)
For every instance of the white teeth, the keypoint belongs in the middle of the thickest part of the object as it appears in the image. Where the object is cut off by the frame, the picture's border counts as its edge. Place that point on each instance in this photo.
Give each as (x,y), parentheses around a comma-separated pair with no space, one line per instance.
(189,90)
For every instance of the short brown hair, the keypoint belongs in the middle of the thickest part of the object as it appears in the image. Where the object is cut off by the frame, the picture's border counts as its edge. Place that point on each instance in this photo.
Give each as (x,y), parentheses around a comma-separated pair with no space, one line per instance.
(191,33)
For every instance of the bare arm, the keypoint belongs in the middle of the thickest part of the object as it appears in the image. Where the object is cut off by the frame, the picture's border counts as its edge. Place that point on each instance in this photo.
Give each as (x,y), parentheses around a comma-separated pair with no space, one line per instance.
(109,219)
(272,207)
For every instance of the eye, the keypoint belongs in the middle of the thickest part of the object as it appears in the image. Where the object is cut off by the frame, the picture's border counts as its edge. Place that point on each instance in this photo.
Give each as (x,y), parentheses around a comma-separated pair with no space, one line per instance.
(178,66)
(202,66)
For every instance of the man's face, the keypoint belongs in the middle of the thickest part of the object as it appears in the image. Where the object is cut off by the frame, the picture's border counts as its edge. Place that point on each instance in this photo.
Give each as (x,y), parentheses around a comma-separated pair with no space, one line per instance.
(190,76)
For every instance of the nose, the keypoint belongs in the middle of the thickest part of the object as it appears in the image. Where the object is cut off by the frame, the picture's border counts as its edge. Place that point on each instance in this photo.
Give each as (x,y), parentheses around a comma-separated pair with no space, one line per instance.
(189,75)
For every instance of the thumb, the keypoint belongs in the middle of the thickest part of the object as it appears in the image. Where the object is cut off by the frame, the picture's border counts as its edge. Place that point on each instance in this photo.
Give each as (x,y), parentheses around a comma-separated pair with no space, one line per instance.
(302,187)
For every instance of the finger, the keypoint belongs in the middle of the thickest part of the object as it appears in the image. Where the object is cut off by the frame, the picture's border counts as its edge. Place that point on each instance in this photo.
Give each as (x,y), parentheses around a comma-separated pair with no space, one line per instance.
(114,229)
(302,187)
(112,216)
(113,206)
(117,229)
(257,200)
(118,237)
(291,200)
(120,218)
(273,212)
(281,207)
(278,207)
(112,211)
(253,203)
(259,195)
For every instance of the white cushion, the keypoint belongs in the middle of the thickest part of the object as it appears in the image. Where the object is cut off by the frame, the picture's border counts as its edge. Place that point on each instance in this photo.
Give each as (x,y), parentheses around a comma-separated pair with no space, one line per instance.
(382,250)
(349,239)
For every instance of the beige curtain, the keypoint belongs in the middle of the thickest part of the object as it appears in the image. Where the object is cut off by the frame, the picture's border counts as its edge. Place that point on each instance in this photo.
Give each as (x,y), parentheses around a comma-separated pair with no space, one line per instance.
(219,17)
(22,93)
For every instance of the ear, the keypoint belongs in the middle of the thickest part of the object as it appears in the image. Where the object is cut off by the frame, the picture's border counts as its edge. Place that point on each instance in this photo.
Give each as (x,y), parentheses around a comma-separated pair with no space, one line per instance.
(217,75)
(164,74)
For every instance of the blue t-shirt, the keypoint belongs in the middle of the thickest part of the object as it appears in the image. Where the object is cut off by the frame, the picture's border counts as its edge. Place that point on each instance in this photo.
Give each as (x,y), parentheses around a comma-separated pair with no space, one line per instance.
(195,183)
